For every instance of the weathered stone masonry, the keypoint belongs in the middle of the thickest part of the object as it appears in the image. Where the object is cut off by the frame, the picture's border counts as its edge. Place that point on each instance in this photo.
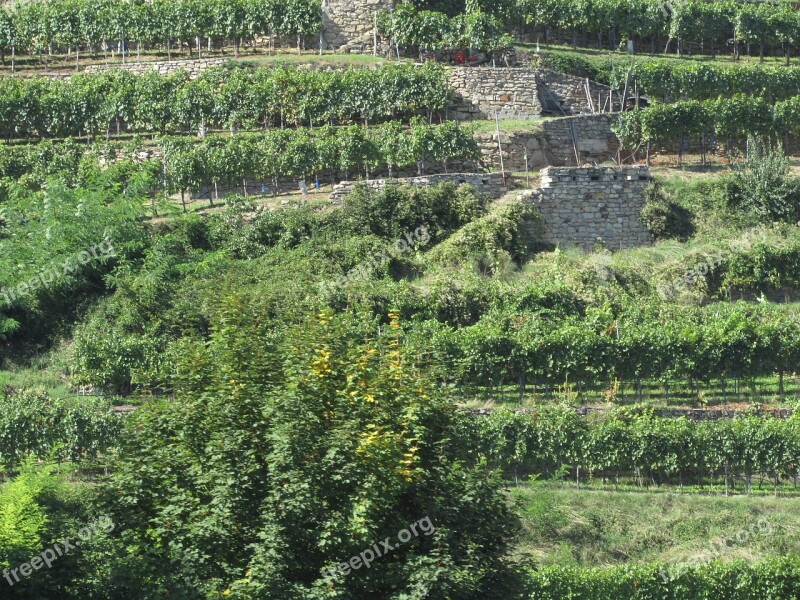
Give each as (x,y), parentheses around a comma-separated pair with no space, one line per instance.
(586,207)
(167,67)
(349,24)
(519,93)
(554,142)
(490,184)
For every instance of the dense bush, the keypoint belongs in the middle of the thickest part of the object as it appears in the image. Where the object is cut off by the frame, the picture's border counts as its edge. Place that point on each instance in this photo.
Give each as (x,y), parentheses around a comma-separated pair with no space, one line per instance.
(33,424)
(476,29)
(736,117)
(287,456)
(663,218)
(763,187)
(692,24)
(509,346)
(670,80)
(774,579)
(178,164)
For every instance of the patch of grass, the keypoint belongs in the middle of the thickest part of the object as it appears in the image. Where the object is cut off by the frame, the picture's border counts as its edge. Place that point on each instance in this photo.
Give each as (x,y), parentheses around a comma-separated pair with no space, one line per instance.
(43,372)
(602,528)
(313,58)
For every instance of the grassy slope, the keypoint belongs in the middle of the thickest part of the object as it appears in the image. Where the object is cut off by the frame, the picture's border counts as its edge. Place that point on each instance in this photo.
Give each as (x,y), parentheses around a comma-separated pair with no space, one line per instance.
(598,528)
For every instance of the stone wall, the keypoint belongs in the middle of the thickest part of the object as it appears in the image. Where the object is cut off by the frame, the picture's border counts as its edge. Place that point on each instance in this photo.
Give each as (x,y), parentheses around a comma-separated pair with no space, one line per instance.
(480,91)
(490,184)
(587,207)
(167,67)
(516,145)
(566,95)
(552,143)
(348,25)
(590,135)
(521,93)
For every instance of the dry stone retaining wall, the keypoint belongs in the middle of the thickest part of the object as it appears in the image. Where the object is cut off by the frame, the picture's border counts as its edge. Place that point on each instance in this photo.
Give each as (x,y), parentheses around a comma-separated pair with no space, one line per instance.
(480,91)
(552,143)
(167,67)
(515,146)
(593,139)
(521,93)
(348,25)
(586,206)
(490,184)
(566,94)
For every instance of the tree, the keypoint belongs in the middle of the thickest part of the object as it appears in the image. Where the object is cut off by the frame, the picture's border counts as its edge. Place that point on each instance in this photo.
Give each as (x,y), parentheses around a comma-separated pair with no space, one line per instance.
(289,452)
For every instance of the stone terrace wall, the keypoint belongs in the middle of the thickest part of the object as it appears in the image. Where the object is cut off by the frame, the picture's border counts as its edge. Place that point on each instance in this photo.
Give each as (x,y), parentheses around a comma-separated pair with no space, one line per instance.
(520,93)
(167,67)
(515,146)
(551,144)
(349,24)
(565,94)
(583,206)
(592,136)
(480,91)
(490,184)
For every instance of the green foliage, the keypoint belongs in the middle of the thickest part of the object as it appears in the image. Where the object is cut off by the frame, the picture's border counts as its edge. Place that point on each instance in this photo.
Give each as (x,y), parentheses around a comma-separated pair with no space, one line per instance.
(33,25)
(188,164)
(673,80)
(490,243)
(641,342)
(34,424)
(663,218)
(281,458)
(221,98)
(634,441)
(394,211)
(762,184)
(22,520)
(736,117)
(689,23)
(769,580)
(573,63)
(429,30)
(57,244)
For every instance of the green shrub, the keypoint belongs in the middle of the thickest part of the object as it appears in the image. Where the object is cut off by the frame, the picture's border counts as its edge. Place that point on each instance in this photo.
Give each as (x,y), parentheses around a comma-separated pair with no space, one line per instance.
(762,184)
(665,219)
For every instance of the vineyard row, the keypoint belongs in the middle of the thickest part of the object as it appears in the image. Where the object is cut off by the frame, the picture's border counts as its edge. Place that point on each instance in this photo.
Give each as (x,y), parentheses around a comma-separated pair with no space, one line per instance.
(179,164)
(38,27)
(95,104)
(556,440)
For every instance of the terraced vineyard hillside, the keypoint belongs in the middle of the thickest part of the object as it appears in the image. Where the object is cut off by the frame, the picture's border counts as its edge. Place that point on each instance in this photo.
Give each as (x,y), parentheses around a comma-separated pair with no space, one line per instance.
(404,300)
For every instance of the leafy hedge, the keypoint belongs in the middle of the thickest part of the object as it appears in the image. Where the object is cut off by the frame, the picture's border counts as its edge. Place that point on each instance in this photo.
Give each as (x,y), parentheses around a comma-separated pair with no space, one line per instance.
(180,163)
(773,579)
(634,441)
(291,153)
(735,117)
(694,22)
(33,423)
(36,26)
(430,30)
(95,104)
(675,80)
(600,345)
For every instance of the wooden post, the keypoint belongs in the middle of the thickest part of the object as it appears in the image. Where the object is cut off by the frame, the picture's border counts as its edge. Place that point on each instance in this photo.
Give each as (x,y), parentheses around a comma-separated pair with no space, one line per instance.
(500,146)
